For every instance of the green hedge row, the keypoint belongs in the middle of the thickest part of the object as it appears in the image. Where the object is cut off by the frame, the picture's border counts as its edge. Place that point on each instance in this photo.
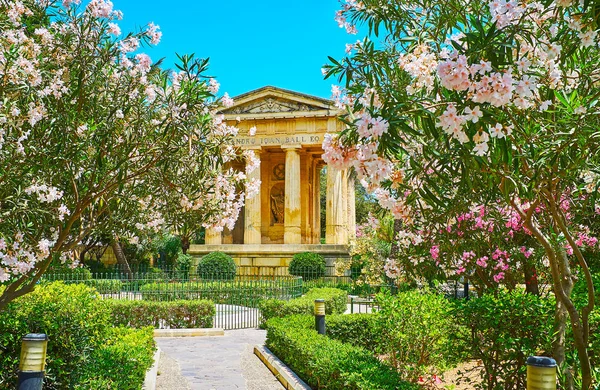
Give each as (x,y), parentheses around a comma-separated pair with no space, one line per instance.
(246,293)
(335,303)
(162,315)
(325,363)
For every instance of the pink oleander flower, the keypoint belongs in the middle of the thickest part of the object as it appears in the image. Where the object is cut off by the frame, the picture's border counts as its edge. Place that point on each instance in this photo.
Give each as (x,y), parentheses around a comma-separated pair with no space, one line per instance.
(435,252)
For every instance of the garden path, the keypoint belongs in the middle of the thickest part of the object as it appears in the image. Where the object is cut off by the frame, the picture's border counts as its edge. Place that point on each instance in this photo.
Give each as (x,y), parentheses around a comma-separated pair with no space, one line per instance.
(216,363)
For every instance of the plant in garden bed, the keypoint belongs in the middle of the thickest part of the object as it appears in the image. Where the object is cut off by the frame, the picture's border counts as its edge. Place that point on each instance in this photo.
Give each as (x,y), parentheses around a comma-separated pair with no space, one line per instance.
(414,328)
(335,303)
(325,363)
(480,104)
(78,324)
(502,331)
(217,266)
(246,293)
(120,363)
(95,138)
(162,315)
(309,265)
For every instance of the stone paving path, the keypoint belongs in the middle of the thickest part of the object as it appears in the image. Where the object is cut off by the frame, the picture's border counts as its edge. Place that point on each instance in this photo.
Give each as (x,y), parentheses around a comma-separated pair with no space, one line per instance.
(214,363)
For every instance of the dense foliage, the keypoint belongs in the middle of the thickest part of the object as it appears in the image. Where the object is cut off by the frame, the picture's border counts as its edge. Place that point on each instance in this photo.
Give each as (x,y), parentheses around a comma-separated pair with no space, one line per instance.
(325,363)
(335,303)
(309,265)
(97,141)
(217,265)
(80,331)
(162,315)
(242,292)
(120,363)
(502,331)
(473,122)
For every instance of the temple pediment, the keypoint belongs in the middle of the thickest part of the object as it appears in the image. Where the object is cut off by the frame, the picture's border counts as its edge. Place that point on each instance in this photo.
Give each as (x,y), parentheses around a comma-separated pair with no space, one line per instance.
(272,102)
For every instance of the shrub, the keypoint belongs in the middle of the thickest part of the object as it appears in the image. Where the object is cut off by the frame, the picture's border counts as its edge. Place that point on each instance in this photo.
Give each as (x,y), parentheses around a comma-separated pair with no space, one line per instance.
(168,246)
(503,330)
(183,264)
(308,265)
(105,286)
(326,363)
(414,328)
(75,320)
(355,329)
(246,293)
(77,323)
(217,265)
(121,362)
(162,315)
(335,303)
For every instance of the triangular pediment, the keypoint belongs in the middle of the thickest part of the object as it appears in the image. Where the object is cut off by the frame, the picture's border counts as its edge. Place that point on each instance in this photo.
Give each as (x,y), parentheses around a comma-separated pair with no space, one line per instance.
(277,102)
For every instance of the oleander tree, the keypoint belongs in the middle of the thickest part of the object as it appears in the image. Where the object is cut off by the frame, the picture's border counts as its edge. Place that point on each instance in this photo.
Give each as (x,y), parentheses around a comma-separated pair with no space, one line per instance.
(97,141)
(453,105)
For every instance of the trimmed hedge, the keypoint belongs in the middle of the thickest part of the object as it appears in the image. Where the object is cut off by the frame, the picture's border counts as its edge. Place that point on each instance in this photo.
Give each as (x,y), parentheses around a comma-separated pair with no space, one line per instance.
(325,363)
(356,329)
(246,293)
(162,315)
(217,266)
(335,303)
(104,286)
(309,265)
(121,362)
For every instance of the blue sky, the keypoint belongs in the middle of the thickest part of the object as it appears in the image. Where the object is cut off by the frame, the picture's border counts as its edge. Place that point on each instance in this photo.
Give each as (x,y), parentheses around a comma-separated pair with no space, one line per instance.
(250,43)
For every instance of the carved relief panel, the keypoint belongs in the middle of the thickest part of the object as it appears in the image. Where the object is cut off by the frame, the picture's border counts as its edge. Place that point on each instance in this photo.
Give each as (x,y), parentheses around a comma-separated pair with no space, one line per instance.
(277,195)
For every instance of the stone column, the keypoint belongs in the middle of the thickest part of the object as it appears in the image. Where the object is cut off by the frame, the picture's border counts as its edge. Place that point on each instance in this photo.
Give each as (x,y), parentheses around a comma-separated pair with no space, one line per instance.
(344,232)
(252,215)
(334,229)
(292,221)
(317,203)
(351,209)
(212,237)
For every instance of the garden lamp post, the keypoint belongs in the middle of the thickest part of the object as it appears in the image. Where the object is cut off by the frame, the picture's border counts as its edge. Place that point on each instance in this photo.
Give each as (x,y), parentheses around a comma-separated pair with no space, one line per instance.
(32,361)
(541,373)
(320,315)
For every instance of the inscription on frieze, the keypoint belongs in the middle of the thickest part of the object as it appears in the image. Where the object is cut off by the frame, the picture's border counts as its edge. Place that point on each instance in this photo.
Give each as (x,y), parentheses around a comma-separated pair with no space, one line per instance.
(304,139)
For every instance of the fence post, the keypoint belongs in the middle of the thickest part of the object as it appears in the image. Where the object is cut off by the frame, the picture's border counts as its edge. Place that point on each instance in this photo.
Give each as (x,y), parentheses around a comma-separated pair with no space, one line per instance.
(541,373)
(32,361)
(320,315)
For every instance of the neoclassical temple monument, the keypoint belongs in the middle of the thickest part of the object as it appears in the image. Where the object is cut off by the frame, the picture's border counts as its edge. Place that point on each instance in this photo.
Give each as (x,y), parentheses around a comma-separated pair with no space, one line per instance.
(284,218)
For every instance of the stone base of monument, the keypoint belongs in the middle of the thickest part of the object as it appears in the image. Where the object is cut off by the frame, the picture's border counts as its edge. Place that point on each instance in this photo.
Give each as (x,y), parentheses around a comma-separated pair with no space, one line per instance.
(272,259)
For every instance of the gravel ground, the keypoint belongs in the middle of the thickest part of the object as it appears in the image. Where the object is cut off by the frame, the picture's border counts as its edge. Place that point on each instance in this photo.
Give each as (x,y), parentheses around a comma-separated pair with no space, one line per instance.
(169,375)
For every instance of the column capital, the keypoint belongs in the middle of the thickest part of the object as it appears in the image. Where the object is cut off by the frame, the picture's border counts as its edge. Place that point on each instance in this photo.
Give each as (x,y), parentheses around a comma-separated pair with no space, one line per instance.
(256,149)
(291,147)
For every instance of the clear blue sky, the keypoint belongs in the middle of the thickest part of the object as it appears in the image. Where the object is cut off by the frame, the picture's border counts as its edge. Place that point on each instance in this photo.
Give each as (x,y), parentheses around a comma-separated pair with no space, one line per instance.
(250,43)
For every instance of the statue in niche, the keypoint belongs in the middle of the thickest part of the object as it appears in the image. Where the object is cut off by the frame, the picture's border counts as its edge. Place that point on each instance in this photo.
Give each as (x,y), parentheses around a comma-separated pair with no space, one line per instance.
(277,204)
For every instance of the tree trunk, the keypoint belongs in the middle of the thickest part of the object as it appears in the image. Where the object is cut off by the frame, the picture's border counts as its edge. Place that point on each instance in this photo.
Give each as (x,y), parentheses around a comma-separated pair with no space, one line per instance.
(185,244)
(121,259)
(395,249)
(531,278)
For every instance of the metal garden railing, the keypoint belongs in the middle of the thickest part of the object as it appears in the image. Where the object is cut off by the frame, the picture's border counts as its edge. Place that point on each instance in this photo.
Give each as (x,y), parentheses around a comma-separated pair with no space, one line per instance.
(236,297)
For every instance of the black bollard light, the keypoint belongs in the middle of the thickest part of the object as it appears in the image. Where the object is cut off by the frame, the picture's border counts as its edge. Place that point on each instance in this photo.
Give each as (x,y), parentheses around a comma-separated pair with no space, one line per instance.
(32,361)
(320,315)
(541,373)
